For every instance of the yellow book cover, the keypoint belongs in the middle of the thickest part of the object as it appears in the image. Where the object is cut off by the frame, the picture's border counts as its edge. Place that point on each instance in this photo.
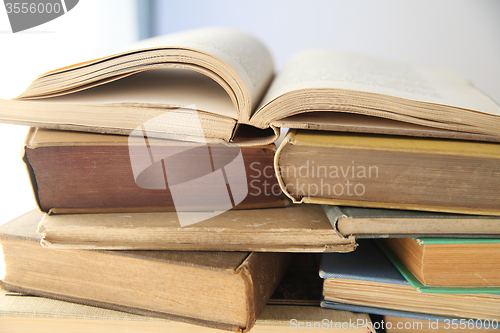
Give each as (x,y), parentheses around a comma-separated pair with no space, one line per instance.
(394,172)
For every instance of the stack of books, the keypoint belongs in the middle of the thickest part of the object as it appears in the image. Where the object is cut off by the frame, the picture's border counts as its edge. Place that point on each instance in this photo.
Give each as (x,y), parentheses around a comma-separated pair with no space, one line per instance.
(161,193)
(456,293)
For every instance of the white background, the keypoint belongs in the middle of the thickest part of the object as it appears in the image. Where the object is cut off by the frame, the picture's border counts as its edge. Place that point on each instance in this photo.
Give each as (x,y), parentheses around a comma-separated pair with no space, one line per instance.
(461,35)
(91,29)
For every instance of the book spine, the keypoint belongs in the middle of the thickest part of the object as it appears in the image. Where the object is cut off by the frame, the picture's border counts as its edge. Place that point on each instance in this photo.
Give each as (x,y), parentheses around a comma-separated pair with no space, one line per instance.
(289,139)
(258,271)
(29,167)
(123,308)
(334,213)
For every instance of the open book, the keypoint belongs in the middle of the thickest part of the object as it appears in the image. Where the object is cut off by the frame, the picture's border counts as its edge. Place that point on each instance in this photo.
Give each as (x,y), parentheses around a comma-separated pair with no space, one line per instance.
(206,85)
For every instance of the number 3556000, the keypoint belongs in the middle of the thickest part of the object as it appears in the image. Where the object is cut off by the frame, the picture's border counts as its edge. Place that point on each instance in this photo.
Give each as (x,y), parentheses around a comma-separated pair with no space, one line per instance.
(27,7)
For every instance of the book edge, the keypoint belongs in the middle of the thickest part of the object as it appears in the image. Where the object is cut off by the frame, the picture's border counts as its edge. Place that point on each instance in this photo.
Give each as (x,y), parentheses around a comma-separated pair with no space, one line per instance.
(116,307)
(419,286)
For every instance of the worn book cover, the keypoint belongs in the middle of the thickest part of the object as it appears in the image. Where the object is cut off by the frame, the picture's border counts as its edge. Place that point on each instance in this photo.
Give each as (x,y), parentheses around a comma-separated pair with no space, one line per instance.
(403,316)
(225,290)
(75,172)
(24,313)
(447,264)
(364,222)
(393,172)
(367,277)
(297,228)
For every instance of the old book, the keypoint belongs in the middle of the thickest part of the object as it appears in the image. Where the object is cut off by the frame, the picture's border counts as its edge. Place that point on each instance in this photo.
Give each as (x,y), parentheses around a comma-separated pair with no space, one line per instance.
(460,288)
(367,278)
(294,305)
(450,262)
(363,222)
(404,316)
(402,321)
(298,228)
(75,172)
(200,85)
(225,290)
(26,313)
(392,172)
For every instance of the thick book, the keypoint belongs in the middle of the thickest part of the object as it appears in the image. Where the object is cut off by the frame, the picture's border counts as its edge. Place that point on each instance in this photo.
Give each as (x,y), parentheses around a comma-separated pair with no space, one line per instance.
(445,289)
(363,222)
(75,172)
(23,313)
(218,84)
(297,228)
(367,277)
(394,172)
(225,290)
(449,262)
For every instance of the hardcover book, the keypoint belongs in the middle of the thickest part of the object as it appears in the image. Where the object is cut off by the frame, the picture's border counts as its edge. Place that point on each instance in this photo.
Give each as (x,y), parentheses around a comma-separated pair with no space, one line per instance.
(363,222)
(218,84)
(445,289)
(297,228)
(419,322)
(75,172)
(449,262)
(367,278)
(393,172)
(225,290)
(23,313)
(381,311)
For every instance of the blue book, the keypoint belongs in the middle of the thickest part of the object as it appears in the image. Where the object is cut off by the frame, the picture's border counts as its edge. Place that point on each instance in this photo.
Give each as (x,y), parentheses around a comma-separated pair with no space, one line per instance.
(367,263)
(366,277)
(405,314)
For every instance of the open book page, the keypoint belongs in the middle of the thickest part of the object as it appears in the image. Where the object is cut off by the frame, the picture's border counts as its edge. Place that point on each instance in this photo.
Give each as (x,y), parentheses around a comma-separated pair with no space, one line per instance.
(247,56)
(342,70)
(161,87)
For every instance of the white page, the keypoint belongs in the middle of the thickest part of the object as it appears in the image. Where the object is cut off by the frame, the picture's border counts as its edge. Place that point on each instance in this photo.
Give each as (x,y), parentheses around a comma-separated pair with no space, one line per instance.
(342,70)
(246,55)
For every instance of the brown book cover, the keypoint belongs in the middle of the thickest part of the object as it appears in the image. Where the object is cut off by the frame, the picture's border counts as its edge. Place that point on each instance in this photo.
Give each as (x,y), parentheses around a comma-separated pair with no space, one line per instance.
(296,228)
(74,172)
(22,313)
(225,290)
(470,263)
